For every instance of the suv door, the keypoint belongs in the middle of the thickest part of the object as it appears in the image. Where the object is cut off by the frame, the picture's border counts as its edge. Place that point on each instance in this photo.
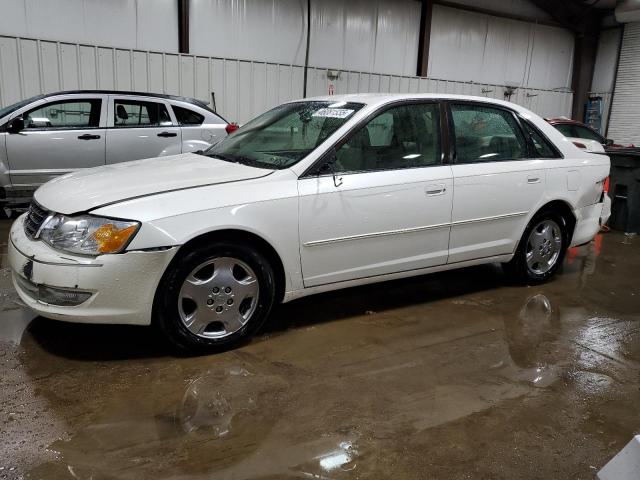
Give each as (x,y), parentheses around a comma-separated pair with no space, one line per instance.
(496,181)
(60,134)
(140,127)
(388,208)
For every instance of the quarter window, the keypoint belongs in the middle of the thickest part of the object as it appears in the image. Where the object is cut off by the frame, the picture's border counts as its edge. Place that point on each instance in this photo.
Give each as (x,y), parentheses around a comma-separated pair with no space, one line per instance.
(407,136)
(64,114)
(541,145)
(134,113)
(187,117)
(486,134)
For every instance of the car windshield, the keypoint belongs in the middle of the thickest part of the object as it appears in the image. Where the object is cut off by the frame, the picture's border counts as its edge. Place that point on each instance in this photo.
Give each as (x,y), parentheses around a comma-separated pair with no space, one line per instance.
(284,135)
(12,108)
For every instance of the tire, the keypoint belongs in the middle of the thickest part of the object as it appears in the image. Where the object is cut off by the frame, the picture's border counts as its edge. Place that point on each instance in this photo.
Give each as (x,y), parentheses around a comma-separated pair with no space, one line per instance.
(551,245)
(207,302)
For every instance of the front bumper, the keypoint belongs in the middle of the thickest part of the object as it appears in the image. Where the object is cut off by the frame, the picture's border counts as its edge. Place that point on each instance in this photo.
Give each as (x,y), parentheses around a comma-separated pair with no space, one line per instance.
(122,286)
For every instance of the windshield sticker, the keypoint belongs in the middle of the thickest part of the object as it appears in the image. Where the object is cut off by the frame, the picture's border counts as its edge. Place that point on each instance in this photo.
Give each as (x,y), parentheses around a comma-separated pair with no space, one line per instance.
(333,112)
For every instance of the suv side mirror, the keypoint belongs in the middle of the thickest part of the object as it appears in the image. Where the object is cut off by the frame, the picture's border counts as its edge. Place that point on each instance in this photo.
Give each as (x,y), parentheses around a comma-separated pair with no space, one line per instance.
(16,125)
(608,142)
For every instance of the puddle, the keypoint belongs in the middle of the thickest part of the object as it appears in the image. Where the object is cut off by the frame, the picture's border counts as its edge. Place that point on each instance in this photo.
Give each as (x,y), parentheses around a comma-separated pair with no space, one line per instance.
(13,324)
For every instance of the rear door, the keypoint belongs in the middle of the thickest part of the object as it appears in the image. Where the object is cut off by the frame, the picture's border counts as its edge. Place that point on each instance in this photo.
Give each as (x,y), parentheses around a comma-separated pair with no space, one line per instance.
(497,182)
(141,127)
(61,134)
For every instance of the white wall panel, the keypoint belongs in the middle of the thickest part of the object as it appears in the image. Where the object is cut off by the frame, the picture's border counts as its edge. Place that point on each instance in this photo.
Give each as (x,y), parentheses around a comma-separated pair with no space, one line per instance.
(367,35)
(142,24)
(469,46)
(242,88)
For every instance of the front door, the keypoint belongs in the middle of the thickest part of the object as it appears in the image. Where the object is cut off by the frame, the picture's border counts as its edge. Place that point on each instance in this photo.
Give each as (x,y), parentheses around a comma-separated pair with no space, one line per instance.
(387,208)
(58,137)
(496,183)
(141,128)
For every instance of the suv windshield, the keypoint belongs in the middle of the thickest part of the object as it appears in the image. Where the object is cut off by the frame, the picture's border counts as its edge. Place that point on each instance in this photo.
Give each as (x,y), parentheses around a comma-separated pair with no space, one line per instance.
(12,108)
(284,135)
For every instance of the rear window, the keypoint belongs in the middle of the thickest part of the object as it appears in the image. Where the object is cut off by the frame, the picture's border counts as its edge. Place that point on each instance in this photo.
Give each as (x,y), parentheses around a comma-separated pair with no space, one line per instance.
(566,129)
(187,117)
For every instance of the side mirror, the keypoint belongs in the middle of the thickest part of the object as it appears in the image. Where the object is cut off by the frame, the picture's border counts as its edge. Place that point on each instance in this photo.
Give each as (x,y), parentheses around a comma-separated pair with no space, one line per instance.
(608,142)
(16,125)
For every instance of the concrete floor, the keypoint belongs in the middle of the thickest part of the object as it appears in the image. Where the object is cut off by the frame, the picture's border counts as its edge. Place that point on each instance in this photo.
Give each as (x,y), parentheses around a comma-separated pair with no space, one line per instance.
(456,375)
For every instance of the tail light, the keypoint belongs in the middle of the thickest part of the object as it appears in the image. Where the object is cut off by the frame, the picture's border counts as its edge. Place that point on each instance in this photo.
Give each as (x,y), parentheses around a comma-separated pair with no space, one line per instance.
(231,127)
(605,185)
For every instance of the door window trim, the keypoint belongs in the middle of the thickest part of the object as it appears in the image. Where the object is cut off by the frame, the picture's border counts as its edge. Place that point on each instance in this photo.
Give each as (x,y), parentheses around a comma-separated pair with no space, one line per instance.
(28,109)
(313,171)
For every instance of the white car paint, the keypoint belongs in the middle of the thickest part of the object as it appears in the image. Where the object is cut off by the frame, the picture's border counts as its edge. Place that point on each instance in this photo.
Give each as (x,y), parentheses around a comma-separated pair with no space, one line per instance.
(592,146)
(328,234)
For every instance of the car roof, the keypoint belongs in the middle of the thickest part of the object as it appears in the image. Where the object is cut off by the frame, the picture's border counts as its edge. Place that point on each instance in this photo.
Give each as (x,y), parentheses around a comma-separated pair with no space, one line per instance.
(193,101)
(383,98)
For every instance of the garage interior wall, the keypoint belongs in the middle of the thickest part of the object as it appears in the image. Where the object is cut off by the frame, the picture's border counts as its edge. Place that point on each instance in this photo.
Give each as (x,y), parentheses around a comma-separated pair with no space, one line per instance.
(489,49)
(625,108)
(378,36)
(605,69)
(250,52)
(140,24)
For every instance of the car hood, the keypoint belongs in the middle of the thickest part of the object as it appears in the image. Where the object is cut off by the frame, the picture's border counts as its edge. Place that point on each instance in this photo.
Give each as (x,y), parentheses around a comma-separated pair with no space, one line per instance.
(84,190)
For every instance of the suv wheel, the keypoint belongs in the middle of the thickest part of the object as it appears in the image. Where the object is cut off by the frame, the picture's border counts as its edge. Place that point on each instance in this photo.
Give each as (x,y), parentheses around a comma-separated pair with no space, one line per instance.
(214,297)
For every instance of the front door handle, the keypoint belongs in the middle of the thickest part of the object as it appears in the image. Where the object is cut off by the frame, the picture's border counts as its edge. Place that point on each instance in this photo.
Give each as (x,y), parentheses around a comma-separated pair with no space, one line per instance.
(433,190)
(88,136)
(533,179)
(167,134)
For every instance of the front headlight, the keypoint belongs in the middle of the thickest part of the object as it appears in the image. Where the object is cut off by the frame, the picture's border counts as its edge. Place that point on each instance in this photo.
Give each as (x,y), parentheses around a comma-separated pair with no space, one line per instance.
(88,235)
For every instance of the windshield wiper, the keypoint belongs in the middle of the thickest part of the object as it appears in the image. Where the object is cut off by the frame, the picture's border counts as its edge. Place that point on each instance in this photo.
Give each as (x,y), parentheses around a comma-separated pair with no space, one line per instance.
(241,160)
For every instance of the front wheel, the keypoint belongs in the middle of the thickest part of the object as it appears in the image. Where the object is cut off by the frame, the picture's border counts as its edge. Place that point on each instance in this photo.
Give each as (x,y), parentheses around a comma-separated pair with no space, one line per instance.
(214,297)
(541,249)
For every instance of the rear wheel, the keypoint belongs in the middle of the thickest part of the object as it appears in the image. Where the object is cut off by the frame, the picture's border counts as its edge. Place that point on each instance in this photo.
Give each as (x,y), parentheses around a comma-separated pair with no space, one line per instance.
(214,297)
(541,249)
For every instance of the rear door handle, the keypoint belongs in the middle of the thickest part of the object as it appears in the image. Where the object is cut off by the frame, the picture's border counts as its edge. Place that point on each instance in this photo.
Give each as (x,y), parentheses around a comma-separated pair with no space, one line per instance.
(433,190)
(533,179)
(88,136)
(167,134)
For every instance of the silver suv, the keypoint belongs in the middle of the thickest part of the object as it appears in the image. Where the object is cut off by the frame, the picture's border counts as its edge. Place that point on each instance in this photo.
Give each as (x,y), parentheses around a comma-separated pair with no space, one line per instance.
(50,135)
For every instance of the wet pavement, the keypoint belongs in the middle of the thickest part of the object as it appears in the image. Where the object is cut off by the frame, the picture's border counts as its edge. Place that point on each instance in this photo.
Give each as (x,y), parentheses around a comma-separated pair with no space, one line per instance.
(455,375)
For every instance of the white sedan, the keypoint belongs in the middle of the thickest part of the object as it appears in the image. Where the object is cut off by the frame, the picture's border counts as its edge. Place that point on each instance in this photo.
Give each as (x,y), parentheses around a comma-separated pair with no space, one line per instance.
(314,195)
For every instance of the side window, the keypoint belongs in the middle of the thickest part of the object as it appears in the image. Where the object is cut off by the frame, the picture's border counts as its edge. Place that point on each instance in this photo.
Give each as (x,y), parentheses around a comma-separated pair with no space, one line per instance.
(134,113)
(486,134)
(584,132)
(65,114)
(566,129)
(407,136)
(541,145)
(186,116)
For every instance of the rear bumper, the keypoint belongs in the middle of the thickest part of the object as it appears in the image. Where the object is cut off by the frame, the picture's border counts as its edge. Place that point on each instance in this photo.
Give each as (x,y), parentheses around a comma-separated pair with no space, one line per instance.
(122,286)
(588,221)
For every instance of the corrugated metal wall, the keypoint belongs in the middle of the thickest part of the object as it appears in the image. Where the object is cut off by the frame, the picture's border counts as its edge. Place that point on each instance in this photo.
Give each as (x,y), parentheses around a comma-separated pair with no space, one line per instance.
(484,48)
(625,108)
(242,88)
